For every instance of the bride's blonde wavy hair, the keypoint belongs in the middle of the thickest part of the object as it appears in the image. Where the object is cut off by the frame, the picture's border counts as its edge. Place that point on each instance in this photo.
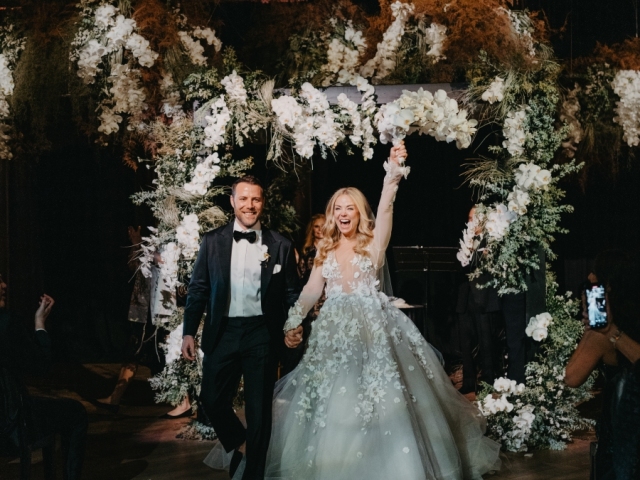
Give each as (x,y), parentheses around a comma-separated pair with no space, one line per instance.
(330,232)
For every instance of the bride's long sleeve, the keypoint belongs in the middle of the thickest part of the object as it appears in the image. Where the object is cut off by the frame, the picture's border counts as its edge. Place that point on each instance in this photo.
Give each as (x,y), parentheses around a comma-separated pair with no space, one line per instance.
(308,298)
(384,217)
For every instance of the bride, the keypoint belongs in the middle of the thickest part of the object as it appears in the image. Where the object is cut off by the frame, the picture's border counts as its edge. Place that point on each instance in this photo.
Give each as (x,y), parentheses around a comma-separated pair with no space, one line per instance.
(370,398)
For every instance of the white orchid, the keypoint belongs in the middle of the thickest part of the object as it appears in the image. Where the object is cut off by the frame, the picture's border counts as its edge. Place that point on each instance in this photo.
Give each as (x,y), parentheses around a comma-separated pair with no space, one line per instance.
(435,36)
(217,122)
(514,132)
(495,92)
(234,86)
(626,85)
(538,326)
(188,235)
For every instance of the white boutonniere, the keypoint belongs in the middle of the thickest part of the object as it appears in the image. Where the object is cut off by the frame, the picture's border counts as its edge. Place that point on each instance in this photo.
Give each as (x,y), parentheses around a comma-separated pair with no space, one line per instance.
(265,255)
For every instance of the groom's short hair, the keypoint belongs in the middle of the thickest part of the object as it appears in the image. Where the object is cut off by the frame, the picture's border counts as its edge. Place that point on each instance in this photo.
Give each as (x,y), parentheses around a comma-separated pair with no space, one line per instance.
(250,179)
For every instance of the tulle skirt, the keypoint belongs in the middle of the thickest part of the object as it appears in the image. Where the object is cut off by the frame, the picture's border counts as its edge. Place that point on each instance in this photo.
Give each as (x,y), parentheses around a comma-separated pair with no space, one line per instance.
(370,400)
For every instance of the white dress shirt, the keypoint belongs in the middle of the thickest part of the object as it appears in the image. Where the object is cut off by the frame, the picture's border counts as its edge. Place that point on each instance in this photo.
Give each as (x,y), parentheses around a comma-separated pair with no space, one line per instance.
(246,272)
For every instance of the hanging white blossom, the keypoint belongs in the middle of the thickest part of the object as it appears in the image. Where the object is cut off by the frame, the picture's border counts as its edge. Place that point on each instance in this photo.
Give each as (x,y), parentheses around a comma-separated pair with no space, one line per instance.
(216,128)
(514,133)
(204,173)
(194,48)
(538,326)
(626,85)
(383,63)
(498,220)
(471,238)
(234,86)
(188,236)
(435,36)
(170,255)
(343,55)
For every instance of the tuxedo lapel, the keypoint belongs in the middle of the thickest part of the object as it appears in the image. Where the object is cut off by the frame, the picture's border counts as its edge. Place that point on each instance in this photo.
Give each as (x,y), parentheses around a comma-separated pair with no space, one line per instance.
(223,253)
(273,247)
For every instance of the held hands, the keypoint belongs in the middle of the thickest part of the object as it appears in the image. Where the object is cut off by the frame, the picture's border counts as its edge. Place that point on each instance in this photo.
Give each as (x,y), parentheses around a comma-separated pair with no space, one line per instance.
(293,337)
(44,309)
(189,348)
(398,153)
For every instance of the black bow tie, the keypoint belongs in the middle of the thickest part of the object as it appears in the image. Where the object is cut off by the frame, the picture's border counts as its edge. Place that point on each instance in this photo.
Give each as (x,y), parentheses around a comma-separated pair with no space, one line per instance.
(249,236)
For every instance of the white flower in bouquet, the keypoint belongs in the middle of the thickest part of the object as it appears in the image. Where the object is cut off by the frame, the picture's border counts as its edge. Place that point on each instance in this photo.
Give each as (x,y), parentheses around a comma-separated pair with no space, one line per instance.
(495,92)
(383,63)
(88,60)
(204,173)
(518,200)
(170,255)
(194,49)
(315,98)
(435,36)
(626,85)
(234,86)
(188,235)
(498,220)
(217,123)
(139,47)
(119,33)
(6,77)
(5,110)
(208,36)
(287,110)
(173,345)
(514,133)
(104,16)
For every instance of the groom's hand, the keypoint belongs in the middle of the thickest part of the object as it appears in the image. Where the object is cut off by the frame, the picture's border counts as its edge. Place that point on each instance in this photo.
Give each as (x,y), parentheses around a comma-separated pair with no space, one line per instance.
(189,347)
(293,337)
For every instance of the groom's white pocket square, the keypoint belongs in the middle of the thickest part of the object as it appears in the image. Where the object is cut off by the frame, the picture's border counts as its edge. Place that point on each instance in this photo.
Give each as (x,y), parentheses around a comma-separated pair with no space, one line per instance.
(277,267)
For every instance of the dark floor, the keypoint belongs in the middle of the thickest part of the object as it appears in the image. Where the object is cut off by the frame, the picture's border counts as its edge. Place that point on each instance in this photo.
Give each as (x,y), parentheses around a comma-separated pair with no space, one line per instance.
(136,444)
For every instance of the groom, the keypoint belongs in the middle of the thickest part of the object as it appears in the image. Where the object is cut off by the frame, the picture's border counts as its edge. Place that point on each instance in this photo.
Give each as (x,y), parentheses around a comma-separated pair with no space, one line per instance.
(245,278)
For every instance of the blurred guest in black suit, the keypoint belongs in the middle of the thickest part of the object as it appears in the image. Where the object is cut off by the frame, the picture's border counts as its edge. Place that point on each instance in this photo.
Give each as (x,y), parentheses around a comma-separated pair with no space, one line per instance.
(29,352)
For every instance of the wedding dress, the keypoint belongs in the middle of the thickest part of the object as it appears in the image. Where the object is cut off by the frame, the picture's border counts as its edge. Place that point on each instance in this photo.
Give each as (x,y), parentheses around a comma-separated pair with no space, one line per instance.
(370,398)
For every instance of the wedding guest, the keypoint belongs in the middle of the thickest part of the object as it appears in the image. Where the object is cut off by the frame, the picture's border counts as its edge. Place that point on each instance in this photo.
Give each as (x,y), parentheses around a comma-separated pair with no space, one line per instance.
(145,307)
(478,312)
(617,347)
(29,352)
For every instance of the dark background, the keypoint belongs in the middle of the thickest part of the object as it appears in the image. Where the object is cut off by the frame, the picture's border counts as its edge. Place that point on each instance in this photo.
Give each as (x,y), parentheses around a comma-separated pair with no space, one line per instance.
(64,214)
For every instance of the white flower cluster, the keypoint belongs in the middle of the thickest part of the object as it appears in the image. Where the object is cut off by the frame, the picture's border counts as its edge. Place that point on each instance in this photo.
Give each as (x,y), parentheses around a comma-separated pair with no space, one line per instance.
(362,129)
(173,345)
(12,46)
(217,123)
(194,48)
(514,133)
(435,36)
(522,422)
(471,238)
(110,33)
(538,326)
(493,404)
(310,121)
(170,255)
(498,220)
(436,115)
(528,177)
(234,86)
(204,173)
(626,85)
(383,63)
(128,97)
(171,100)
(495,92)
(343,54)
(188,236)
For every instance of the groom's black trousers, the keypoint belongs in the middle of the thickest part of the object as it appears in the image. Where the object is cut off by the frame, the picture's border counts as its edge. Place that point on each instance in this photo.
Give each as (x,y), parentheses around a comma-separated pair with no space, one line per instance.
(243,351)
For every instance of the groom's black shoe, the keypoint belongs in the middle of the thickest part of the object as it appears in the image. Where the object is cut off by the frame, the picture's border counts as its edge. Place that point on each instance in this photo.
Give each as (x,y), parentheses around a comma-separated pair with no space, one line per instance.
(236,458)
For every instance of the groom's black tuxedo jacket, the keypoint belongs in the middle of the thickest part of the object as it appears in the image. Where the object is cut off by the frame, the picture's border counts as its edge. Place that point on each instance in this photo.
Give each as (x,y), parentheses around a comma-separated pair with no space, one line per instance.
(209,288)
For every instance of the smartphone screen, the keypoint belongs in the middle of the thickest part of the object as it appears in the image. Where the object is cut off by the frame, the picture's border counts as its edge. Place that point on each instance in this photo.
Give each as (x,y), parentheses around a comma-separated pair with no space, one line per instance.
(596,306)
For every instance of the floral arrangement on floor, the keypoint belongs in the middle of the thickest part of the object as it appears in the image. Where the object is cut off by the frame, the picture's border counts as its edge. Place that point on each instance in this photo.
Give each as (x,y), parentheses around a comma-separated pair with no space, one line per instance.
(542,413)
(11,44)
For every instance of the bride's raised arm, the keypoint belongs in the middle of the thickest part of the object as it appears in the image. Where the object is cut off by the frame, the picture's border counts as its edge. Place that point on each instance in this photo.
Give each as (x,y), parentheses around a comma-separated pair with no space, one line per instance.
(384,216)
(308,298)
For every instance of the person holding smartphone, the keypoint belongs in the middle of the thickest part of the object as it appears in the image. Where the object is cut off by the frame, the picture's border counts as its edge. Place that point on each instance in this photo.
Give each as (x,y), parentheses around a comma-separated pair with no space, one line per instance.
(613,339)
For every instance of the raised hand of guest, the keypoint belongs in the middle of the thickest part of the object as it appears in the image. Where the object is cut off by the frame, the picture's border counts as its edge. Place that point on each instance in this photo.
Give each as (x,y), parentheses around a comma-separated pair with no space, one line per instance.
(293,337)
(44,309)
(189,348)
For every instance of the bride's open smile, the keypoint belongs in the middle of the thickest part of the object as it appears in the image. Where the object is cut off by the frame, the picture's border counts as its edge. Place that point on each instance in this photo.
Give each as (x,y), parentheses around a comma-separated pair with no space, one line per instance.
(346,215)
